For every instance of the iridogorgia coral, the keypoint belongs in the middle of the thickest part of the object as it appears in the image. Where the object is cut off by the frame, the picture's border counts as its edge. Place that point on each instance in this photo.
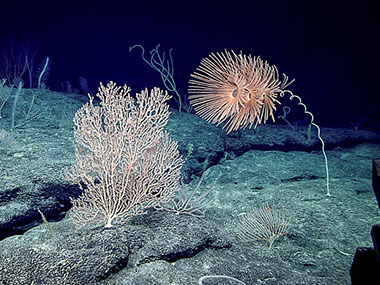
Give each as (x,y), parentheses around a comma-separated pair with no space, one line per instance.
(240,90)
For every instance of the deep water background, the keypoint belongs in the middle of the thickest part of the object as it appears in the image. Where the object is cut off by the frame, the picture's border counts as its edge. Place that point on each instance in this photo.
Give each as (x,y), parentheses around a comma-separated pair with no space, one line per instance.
(329,47)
